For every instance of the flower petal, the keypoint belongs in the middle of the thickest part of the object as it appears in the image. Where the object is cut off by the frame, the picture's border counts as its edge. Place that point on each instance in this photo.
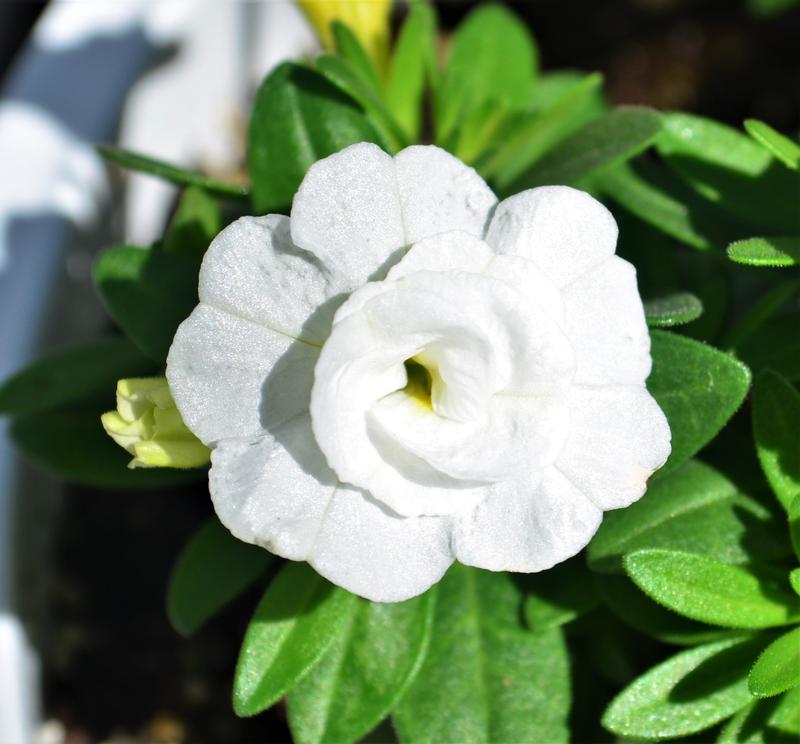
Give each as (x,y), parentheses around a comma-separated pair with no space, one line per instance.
(564,231)
(619,437)
(278,492)
(439,193)
(231,377)
(449,251)
(526,527)
(605,323)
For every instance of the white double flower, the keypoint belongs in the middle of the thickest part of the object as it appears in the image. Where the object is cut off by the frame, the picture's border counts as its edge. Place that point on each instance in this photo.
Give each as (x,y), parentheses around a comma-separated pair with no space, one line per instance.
(406,372)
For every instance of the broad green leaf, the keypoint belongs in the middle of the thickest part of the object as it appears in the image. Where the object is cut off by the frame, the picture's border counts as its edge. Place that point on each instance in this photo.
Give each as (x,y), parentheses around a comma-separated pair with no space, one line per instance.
(602,143)
(698,387)
(728,168)
(364,673)
(559,595)
(148,292)
(776,346)
(673,309)
(212,570)
(767,721)
(687,693)
(635,608)
(694,509)
(493,57)
(298,118)
(486,679)
(73,374)
(413,63)
(766,251)
(786,150)
(143,164)
(778,667)
(297,620)
(794,580)
(349,48)
(710,591)
(758,313)
(197,221)
(776,428)
(69,441)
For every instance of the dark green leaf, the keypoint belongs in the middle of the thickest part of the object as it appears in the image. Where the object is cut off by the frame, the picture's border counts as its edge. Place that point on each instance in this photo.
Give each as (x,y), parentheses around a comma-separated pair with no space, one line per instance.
(776,346)
(196,223)
(558,596)
(776,427)
(299,617)
(212,570)
(710,591)
(174,174)
(794,524)
(766,251)
(72,375)
(786,150)
(687,693)
(794,580)
(674,309)
(486,679)
(148,293)
(769,721)
(698,387)
(298,118)
(349,48)
(778,667)
(365,672)
(694,509)
(758,314)
(602,143)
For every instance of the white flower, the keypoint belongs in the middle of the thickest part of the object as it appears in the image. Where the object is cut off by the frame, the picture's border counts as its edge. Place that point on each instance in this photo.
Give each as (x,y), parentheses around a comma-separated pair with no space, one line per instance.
(407,372)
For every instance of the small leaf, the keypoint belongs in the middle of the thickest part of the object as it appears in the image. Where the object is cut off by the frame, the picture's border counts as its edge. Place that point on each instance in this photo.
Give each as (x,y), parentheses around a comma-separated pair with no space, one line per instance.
(212,570)
(349,48)
(674,309)
(148,293)
(365,672)
(299,617)
(143,164)
(778,667)
(766,251)
(558,596)
(786,150)
(298,118)
(710,591)
(698,387)
(485,678)
(687,693)
(776,427)
(693,509)
(794,580)
(72,375)
(602,143)
(765,721)
(196,223)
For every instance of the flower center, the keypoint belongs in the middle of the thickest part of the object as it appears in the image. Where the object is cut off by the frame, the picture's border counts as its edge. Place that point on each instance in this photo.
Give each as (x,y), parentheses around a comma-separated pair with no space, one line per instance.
(420,383)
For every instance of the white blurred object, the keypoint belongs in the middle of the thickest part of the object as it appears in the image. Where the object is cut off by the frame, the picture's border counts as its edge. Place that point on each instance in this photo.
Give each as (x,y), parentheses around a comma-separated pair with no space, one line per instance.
(19,663)
(45,170)
(192,110)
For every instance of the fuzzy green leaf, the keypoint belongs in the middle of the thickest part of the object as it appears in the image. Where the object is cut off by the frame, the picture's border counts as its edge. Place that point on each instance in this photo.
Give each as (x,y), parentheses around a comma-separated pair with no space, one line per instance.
(778,667)
(687,693)
(674,309)
(794,580)
(786,150)
(212,570)
(558,596)
(710,591)
(297,620)
(766,251)
(485,678)
(364,673)
(698,387)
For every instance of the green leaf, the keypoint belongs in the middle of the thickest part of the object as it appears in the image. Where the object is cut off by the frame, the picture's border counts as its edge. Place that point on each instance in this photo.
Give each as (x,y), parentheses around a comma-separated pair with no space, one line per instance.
(196,223)
(339,72)
(486,679)
(758,313)
(776,346)
(694,509)
(765,721)
(776,428)
(710,591)
(786,150)
(558,596)
(602,143)
(765,251)
(298,118)
(698,387)
(728,168)
(364,674)
(299,617)
(794,580)
(349,48)
(778,667)
(493,57)
(687,693)
(148,293)
(673,309)
(212,570)
(172,173)
(413,63)
(794,524)
(72,375)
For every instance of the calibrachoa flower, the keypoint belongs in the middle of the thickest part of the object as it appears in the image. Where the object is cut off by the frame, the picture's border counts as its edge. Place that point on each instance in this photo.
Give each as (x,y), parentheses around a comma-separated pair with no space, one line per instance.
(405,372)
